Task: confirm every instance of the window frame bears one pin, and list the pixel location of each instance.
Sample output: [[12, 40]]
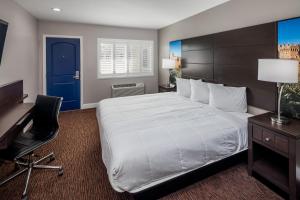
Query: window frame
[[127, 42]]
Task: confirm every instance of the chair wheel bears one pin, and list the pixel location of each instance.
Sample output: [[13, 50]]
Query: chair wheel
[[24, 197], [61, 172]]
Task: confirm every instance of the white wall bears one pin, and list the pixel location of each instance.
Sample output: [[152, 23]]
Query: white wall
[[95, 89], [231, 15], [20, 55]]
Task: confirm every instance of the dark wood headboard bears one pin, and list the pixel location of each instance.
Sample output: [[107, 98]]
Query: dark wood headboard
[[231, 58]]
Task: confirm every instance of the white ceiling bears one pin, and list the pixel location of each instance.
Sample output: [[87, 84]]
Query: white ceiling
[[153, 14]]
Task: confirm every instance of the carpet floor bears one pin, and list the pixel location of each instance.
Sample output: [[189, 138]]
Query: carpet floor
[[78, 149]]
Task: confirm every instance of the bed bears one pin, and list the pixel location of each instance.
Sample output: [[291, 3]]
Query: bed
[[150, 139]]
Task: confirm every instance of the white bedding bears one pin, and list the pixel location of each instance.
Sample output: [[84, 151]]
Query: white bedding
[[149, 139]]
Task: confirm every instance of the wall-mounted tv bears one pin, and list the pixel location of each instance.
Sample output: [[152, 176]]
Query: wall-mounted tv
[[3, 30]]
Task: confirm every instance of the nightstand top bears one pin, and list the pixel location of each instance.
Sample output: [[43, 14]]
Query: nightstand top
[[291, 130], [166, 86]]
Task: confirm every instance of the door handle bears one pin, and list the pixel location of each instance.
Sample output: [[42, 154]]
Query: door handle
[[77, 76]]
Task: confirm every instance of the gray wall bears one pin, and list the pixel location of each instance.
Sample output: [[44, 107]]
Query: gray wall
[[231, 15], [20, 60], [95, 89]]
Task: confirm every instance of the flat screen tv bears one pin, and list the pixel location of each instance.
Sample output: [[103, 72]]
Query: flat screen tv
[[3, 30]]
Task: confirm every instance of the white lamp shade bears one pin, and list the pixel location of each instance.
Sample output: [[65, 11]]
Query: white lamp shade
[[168, 64], [278, 70]]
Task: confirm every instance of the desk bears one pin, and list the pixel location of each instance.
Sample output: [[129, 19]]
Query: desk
[[10, 122], [12, 111]]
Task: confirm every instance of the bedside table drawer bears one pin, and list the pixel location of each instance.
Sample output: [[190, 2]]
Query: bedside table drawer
[[282, 144], [268, 137], [257, 132], [276, 141]]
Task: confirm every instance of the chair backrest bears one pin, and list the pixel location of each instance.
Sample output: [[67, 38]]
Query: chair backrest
[[45, 116]]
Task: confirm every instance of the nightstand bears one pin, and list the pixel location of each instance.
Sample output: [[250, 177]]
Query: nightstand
[[166, 88], [274, 153]]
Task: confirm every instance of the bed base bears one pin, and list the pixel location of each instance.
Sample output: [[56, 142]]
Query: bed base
[[190, 178]]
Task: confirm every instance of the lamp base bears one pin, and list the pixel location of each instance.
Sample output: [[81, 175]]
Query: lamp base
[[281, 120]]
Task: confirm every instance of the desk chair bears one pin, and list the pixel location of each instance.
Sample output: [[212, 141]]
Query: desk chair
[[43, 130]]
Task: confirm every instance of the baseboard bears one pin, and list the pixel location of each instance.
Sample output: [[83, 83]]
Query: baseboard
[[89, 105]]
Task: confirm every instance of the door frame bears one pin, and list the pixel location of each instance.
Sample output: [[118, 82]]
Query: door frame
[[45, 36]]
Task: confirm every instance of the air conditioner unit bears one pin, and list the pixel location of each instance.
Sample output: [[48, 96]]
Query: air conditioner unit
[[131, 89]]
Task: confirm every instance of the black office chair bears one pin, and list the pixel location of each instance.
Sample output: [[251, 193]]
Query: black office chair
[[44, 129]]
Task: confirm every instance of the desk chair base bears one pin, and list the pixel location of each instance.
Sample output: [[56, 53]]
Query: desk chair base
[[29, 165]]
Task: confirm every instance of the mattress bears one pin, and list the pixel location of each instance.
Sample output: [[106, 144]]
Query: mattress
[[152, 138]]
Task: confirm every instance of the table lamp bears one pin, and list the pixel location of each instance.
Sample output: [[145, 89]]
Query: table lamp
[[280, 71], [169, 64]]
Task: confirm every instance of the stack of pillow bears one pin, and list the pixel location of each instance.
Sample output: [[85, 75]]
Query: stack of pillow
[[229, 99]]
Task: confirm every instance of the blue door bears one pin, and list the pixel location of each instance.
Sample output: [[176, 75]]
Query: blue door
[[63, 71]]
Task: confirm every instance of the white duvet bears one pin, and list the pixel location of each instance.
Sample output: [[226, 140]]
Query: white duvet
[[149, 139]]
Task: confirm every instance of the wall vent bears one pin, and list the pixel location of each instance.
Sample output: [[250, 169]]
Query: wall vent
[[130, 89]]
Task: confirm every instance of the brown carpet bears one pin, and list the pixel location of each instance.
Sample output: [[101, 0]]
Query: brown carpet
[[77, 148]]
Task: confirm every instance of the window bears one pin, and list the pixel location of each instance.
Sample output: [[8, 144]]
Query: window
[[124, 58]]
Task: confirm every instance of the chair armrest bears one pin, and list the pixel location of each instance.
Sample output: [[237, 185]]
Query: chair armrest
[[25, 120]]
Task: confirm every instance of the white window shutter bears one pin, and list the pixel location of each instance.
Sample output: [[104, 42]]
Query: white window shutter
[[133, 58], [106, 58], [124, 58], [120, 58], [147, 54]]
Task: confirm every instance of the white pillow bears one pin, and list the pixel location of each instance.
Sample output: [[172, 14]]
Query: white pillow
[[200, 91], [183, 87], [230, 99]]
